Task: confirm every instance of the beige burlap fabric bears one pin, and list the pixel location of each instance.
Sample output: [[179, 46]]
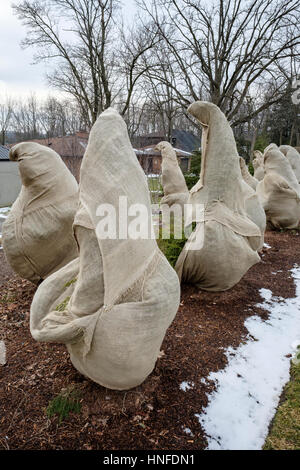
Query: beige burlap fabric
[[255, 211], [117, 300], [37, 235], [293, 157], [228, 240], [279, 191], [248, 178], [258, 165], [173, 182]]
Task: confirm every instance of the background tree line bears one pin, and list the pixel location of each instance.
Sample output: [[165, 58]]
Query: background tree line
[[241, 55]]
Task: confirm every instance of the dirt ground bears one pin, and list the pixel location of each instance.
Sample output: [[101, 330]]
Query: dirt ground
[[154, 415]]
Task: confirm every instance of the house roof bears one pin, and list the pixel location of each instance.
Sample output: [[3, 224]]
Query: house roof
[[66, 146], [4, 153], [182, 140], [149, 150]]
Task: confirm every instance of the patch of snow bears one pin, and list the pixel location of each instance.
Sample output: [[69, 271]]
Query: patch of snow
[[186, 386], [188, 431], [4, 211], [267, 246], [296, 352], [248, 389], [2, 353]]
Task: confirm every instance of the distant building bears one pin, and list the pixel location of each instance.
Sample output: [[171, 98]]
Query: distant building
[[71, 148], [150, 159], [10, 181], [184, 144], [182, 140]]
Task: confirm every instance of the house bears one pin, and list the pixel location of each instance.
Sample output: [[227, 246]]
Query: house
[[10, 181], [150, 159], [71, 148], [184, 144]]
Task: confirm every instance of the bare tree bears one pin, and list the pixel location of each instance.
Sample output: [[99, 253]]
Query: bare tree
[[26, 118], [224, 51], [60, 117], [84, 39], [6, 106]]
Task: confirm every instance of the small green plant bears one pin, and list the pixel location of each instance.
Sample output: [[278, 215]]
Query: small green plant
[[7, 299], [62, 306], [251, 168], [191, 179], [65, 403], [262, 142], [68, 284], [172, 247], [196, 162]]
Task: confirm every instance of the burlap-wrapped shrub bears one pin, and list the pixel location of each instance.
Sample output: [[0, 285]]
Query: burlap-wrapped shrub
[[113, 305], [37, 235], [249, 179], [279, 191], [293, 157], [258, 165], [227, 239], [255, 211], [173, 182]]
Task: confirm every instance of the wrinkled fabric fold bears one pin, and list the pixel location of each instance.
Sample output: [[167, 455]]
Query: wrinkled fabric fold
[[173, 182], [37, 235], [229, 238], [112, 310], [279, 191]]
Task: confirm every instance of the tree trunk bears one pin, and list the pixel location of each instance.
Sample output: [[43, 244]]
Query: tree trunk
[[253, 141]]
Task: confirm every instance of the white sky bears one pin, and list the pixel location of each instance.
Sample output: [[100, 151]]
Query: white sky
[[18, 76]]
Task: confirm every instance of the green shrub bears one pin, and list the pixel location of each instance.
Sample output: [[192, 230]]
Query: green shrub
[[172, 247], [191, 179], [196, 162], [261, 143], [251, 168], [65, 403]]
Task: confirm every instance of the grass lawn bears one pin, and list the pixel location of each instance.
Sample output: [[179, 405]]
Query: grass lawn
[[285, 429]]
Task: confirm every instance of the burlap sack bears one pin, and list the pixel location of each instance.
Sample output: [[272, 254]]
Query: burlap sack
[[293, 157], [228, 240], [113, 306], [279, 191], [255, 211], [173, 182], [258, 165], [248, 178], [37, 235]]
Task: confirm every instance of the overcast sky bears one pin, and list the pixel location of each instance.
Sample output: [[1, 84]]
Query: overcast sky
[[18, 76]]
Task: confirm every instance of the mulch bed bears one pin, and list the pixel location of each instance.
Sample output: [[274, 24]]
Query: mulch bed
[[153, 415]]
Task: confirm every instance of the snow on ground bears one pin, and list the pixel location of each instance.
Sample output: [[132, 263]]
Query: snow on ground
[[4, 211], [187, 431], [267, 246], [2, 353], [184, 386], [248, 389]]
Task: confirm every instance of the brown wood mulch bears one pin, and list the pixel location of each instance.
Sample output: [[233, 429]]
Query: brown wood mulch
[[154, 415]]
